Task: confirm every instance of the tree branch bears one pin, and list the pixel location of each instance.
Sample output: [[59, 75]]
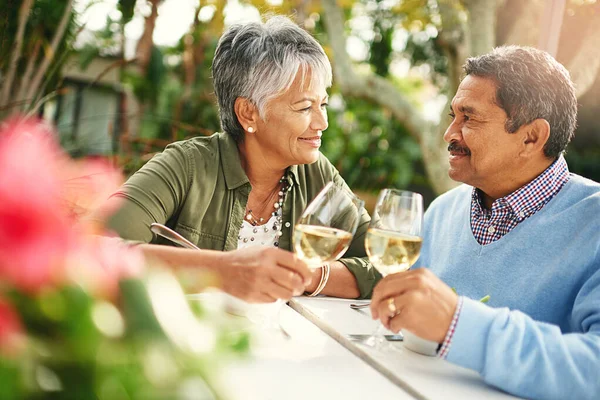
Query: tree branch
[[371, 87], [26, 78], [584, 67], [190, 56], [526, 29], [452, 39], [384, 93], [482, 25], [16, 53], [144, 46], [118, 63], [49, 56]]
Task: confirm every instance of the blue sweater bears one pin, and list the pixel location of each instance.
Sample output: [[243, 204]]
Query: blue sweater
[[539, 335]]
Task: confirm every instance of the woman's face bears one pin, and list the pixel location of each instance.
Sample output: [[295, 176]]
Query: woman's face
[[293, 125]]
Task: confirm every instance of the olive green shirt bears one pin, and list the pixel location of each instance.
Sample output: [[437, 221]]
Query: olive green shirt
[[198, 188]]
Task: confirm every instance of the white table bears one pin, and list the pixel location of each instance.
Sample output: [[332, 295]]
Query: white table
[[308, 366], [420, 376], [319, 362]]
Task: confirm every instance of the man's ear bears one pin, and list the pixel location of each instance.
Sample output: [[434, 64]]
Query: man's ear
[[247, 114], [536, 135]]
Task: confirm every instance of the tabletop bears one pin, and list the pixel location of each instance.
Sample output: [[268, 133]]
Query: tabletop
[[420, 376], [307, 365], [315, 359]]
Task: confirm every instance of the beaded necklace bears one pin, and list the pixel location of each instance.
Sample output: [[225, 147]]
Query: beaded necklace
[[276, 217]]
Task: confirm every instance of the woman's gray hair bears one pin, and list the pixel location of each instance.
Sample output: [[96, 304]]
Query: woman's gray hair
[[531, 84], [259, 61]]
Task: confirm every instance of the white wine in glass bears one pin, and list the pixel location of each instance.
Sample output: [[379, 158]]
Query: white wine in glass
[[324, 231], [319, 244], [394, 239], [391, 252]]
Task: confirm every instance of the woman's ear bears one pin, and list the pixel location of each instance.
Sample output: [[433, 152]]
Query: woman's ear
[[536, 136], [246, 113]]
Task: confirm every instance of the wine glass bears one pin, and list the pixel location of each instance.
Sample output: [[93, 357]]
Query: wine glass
[[324, 231], [394, 238]]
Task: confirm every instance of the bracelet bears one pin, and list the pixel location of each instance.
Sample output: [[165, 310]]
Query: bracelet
[[325, 270], [319, 288]]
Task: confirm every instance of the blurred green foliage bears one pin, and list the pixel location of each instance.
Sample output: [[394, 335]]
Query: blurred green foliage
[[68, 354], [369, 147], [127, 8]]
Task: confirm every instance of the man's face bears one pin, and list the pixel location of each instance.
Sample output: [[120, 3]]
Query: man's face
[[482, 153]]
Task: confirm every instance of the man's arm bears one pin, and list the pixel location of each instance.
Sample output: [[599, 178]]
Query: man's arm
[[509, 349], [530, 358]]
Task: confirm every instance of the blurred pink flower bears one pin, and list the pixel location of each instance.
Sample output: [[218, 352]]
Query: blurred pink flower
[[43, 197], [101, 262], [35, 233], [87, 185]]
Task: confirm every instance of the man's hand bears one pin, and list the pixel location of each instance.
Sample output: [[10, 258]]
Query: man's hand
[[263, 274], [423, 304]]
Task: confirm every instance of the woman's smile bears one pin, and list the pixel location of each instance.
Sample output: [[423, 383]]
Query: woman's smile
[[312, 141]]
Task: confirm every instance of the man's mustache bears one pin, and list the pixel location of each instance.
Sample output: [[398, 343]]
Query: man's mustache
[[456, 148]]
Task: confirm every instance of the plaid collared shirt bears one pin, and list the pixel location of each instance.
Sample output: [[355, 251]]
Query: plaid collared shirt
[[507, 212]]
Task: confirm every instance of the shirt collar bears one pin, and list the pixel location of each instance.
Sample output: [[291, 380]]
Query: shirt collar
[[235, 176], [531, 197]]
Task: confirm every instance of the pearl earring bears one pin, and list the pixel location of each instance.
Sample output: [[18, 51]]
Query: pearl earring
[[250, 129]]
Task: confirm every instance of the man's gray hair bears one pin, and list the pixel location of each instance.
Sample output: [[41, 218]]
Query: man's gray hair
[[259, 61], [531, 84]]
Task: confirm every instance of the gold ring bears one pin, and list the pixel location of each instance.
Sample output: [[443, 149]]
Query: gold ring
[[392, 306]]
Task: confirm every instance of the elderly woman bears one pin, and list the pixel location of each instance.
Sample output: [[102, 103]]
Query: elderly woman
[[237, 194]]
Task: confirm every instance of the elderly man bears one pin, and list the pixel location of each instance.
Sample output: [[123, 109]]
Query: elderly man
[[522, 229]]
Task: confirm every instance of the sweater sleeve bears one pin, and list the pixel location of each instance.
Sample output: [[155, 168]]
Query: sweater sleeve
[[529, 358]]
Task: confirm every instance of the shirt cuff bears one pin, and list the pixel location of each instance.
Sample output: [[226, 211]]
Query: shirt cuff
[[445, 347]]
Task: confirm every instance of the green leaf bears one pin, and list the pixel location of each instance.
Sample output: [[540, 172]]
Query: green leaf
[[137, 309], [9, 379], [127, 8]]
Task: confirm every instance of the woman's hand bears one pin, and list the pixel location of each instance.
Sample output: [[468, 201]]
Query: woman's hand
[[423, 304], [263, 274]]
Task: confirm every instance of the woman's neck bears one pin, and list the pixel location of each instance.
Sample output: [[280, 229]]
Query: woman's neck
[[263, 175]]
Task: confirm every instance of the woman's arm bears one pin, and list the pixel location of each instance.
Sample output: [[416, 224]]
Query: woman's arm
[[152, 194], [341, 283], [156, 192], [254, 274]]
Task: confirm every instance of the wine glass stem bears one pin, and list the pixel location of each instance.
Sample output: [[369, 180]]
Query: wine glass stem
[[377, 338], [280, 304]]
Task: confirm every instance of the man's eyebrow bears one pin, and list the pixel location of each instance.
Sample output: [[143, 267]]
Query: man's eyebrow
[[465, 110], [468, 110]]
